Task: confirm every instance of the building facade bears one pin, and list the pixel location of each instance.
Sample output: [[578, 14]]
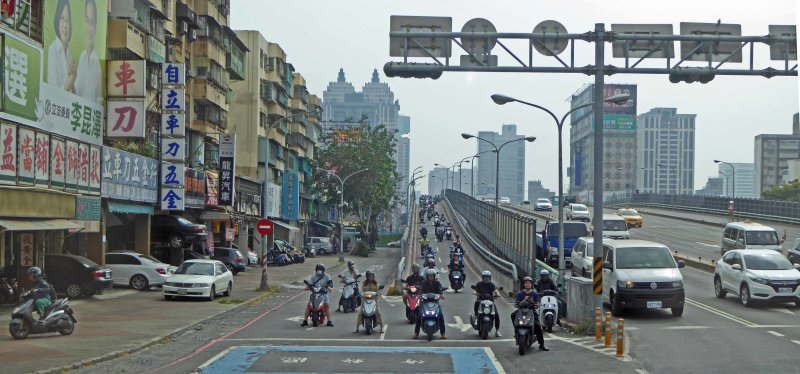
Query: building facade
[[665, 143], [772, 155], [713, 187], [537, 191], [512, 164], [743, 182], [438, 180]]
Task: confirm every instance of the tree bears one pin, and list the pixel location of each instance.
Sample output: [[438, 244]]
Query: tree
[[350, 149], [787, 192]]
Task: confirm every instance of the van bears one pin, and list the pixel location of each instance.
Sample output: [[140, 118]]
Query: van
[[749, 235], [640, 274], [320, 245], [615, 227], [505, 200]]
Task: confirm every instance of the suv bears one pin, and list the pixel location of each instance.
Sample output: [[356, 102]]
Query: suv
[[76, 276], [749, 235], [578, 212], [543, 204], [756, 275], [640, 274], [319, 244], [794, 252], [137, 270], [176, 231], [232, 259]]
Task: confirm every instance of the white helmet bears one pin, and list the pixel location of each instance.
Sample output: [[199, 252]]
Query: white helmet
[[486, 276]]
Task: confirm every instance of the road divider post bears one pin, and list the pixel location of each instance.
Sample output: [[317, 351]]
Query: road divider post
[[608, 329], [598, 327], [620, 337]]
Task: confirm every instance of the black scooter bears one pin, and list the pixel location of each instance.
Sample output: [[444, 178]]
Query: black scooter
[[524, 322], [57, 317]]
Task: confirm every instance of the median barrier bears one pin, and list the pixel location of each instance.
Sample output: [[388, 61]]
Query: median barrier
[[696, 262], [580, 306]]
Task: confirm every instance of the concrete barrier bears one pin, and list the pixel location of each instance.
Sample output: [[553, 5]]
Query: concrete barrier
[[697, 263], [580, 307]]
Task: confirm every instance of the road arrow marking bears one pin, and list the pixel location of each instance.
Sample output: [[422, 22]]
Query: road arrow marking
[[783, 310], [353, 361], [412, 362], [295, 319], [460, 325]]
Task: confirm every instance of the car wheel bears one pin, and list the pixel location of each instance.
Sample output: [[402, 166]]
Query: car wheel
[[719, 292], [228, 290], [616, 309], [176, 241], [74, 291], [167, 297], [212, 293], [322, 251], [677, 312], [139, 282], [744, 296]]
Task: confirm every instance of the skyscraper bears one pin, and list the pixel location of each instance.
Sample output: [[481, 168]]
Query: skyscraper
[[665, 152], [512, 164], [743, 183], [772, 155], [436, 180]]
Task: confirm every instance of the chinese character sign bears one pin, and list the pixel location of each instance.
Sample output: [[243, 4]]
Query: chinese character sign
[[172, 175], [26, 156], [126, 119], [22, 73], [211, 189], [173, 74], [128, 176], [227, 166], [8, 153], [83, 167], [173, 99], [26, 249], [58, 163], [73, 165], [94, 170], [126, 78], [291, 196], [172, 198], [173, 124], [173, 149], [42, 159]]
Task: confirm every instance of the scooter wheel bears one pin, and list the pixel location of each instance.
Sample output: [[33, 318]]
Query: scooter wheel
[[19, 329], [67, 330], [369, 329], [430, 337]]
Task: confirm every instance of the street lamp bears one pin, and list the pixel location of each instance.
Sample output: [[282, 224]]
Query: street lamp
[[460, 174], [472, 173], [497, 150], [341, 203], [733, 171], [598, 208]]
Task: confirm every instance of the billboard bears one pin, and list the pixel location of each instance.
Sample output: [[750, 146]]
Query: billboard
[[585, 97], [227, 165], [128, 176], [291, 196], [618, 122]]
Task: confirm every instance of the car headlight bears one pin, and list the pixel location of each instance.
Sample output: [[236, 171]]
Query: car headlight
[[677, 284], [554, 251], [200, 285], [624, 284], [758, 280]]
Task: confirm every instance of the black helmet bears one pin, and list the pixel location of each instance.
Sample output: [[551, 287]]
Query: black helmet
[[415, 268], [35, 271], [369, 272], [527, 279], [319, 267]]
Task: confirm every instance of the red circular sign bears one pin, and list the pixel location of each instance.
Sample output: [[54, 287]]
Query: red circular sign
[[264, 227]]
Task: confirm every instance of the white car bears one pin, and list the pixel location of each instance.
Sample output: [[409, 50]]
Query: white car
[[578, 212], [199, 278], [757, 274], [136, 270], [252, 257], [505, 200], [543, 204]]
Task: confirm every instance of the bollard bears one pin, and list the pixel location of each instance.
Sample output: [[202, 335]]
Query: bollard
[[620, 337], [598, 324], [608, 329]]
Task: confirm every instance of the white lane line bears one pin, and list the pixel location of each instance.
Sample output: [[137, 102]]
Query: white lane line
[[686, 327], [215, 358], [721, 313], [783, 310], [493, 359], [796, 342], [775, 333], [385, 329], [699, 271], [641, 371]]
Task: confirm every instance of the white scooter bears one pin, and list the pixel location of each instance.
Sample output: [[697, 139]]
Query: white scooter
[[548, 309], [369, 305]]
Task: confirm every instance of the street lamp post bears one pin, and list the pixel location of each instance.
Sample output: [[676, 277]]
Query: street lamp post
[[341, 204], [733, 186], [497, 162], [460, 173], [472, 173], [598, 223]]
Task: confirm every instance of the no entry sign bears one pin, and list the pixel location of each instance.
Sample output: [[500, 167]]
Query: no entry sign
[[264, 227]]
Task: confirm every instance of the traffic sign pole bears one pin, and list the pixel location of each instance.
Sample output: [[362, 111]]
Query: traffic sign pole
[[264, 227]]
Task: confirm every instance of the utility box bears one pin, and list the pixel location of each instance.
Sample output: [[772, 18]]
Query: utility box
[[580, 305]]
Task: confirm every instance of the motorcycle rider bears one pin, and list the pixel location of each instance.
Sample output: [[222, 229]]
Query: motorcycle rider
[[346, 275], [547, 283], [431, 285], [43, 292], [414, 279], [424, 243], [431, 265], [456, 265], [486, 287], [320, 279], [423, 232], [528, 293], [370, 285]]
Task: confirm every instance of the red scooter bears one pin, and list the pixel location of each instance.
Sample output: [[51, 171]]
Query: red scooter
[[316, 304], [412, 303]]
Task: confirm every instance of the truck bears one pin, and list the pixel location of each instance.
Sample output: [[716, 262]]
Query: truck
[[547, 241]]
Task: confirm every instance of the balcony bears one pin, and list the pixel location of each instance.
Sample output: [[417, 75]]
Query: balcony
[[297, 128], [205, 92], [186, 15], [124, 35]]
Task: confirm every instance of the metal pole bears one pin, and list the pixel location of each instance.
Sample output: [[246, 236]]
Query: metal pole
[[460, 174], [561, 262], [497, 179], [341, 224], [599, 80]]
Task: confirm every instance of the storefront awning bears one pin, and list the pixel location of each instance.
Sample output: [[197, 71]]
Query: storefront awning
[[213, 215], [286, 226], [36, 224], [323, 225], [128, 208]]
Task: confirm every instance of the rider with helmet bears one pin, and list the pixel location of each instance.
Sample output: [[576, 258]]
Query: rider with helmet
[[431, 265], [431, 285], [546, 283], [350, 274], [528, 293], [415, 279], [483, 288], [43, 292], [369, 285], [320, 279]]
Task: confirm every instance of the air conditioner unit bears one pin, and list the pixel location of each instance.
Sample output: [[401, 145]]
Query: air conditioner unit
[[192, 35], [183, 27]]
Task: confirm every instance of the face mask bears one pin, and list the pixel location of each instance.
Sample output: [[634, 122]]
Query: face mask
[[319, 272]]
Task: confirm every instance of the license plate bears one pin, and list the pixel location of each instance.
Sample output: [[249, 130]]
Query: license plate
[[181, 291], [784, 290], [653, 304]]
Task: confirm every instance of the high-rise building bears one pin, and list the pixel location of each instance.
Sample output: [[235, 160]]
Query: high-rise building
[[742, 183], [403, 150], [665, 152], [772, 154], [619, 144], [512, 164], [796, 124], [438, 180], [537, 191], [713, 187], [464, 177]]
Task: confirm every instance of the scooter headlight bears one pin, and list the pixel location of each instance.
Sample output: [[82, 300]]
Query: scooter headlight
[[487, 310]]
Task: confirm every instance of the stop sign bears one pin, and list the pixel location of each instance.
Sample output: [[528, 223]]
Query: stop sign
[[264, 227]]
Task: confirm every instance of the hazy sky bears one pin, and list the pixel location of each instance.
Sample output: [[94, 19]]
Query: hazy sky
[[321, 36]]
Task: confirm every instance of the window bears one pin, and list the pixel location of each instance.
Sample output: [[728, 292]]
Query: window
[[728, 258]]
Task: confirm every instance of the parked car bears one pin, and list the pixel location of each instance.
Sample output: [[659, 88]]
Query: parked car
[[139, 271], [199, 278], [794, 252], [543, 205], [76, 276], [631, 216], [749, 235], [175, 231], [755, 275], [578, 212], [232, 259], [321, 245], [583, 257], [252, 257]]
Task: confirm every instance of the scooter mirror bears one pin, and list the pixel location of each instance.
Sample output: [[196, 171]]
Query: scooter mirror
[[380, 288], [472, 286], [501, 288]]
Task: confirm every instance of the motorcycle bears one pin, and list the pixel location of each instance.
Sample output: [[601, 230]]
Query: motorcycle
[[448, 234], [484, 321], [7, 290], [430, 313], [412, 303], [348, 299], [428, 255], [456, 280], [57, 317], [523, 326], [369, 305], [548, 309], [316, 304]]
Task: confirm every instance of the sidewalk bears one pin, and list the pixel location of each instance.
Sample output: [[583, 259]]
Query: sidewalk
[[124, 319]]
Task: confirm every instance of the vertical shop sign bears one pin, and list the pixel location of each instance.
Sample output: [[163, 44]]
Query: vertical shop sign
[[227, 165], [173, 132], [27, 249]]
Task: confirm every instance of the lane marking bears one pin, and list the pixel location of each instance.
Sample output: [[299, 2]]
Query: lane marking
[[590, 344], [641, 371], [775, 333], [721, 313], [358, 340], [698, 270], [385, 330], [493, 359], [796, 342], [783, 310]]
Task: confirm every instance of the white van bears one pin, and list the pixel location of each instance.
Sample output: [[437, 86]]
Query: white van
[[615, 227], [640, 274], [749, 235]]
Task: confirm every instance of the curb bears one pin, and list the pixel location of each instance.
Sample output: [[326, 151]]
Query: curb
[[697, 263]]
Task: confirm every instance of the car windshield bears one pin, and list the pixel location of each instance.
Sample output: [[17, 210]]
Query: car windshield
[[629, 213], [86, 262], [762, 238], [195, 268], [767, 261], [571, 229], [543, 201], [615, 225], [580, 208], [644, 258]]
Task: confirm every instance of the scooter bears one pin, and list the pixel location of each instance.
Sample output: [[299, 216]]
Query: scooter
[[456, 280], [7, 290], [348, 299], [316, 304], [448, 234], [412, 303], [369, 304], [548, 309], [57, 317], [523, 326], [484, 321], [430, 313]]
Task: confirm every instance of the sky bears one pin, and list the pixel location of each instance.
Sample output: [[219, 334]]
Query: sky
[[322, 36]]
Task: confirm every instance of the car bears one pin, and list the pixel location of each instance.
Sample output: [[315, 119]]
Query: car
[[794, 252], [505, 200], [232, 259], [176, 231], [199, 279], [582, 257], [252, 257], [640, 274], [631, 216], [319, 244], [757, 275], [749, 235], [525, 202], [76, 276], [490, 201], [578, 212], [543, 205], [137, 270], [615, 227]]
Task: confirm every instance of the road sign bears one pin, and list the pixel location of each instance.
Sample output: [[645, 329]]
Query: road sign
[[264, 227]]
